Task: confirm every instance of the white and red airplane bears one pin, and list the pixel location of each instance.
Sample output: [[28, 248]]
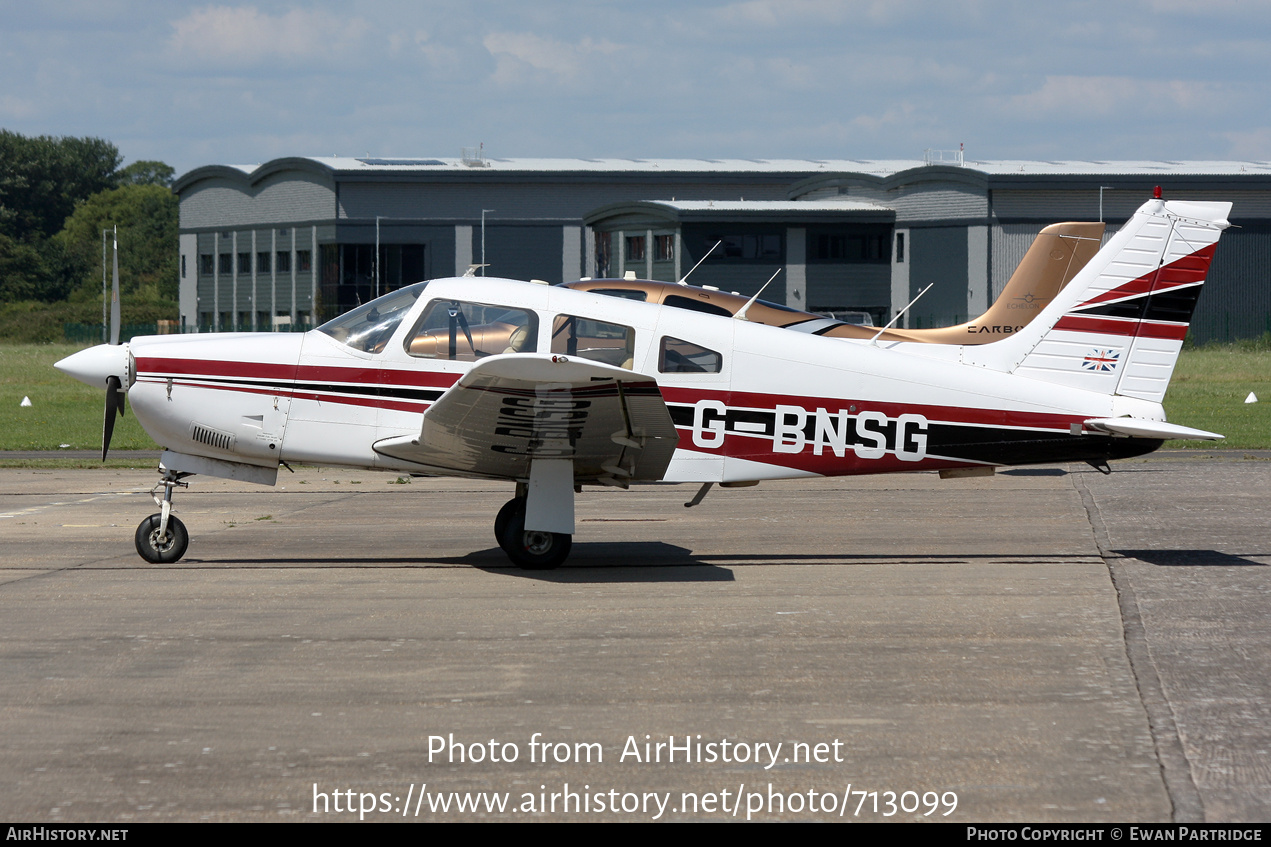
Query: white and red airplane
[[552, 389]]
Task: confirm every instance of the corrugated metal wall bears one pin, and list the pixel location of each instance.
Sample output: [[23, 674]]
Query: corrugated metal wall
[[536, 200], [283, 198], [1236, 301]]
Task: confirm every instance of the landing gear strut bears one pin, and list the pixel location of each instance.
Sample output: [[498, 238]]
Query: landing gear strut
[[162, 538], [532, 550]]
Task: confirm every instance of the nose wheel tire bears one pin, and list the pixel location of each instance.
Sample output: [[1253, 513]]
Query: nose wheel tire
[[165, 549], [531, 550]]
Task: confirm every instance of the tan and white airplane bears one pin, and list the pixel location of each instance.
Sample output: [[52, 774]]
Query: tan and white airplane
[[1053, 259], [553, 389]]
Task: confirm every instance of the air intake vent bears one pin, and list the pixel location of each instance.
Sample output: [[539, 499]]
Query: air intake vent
[[212, 437]]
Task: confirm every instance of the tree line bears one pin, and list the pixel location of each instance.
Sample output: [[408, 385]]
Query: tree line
[[57, 194]]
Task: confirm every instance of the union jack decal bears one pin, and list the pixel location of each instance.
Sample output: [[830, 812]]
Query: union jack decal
[[1102, 360]]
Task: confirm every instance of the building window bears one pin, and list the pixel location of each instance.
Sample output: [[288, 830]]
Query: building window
[[244, 263], [227, 263], [304, 261], [207, 264], [664, 248], [182, 266], [758, 246], [262, 262], [860, 245], [900, 247], [283, 260], [635, 248]]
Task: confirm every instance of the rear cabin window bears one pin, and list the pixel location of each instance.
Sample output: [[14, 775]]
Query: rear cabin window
[[695, 305], [678, 356], [465, 332], [586, 338], [624, 293]]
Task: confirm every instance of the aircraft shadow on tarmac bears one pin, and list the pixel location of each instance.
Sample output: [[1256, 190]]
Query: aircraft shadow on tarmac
[[1192, 558], [645, 561], [648, 561]]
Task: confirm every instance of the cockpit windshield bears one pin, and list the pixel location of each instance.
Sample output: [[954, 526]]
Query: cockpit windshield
[[368, 327]]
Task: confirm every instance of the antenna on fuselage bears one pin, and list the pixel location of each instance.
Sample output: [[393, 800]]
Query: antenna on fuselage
[[472, 270], [741, 313], [684, 279], [898, 314]]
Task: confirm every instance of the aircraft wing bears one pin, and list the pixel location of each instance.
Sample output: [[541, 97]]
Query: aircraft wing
[[610, 422]]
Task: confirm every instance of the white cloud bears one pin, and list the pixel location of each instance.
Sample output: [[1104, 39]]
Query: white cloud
[[517, 51], [787, 13], [244, 34], [1103, 96], [1252, 145]]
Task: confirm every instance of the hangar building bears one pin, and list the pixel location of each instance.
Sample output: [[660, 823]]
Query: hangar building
[[299, 240]]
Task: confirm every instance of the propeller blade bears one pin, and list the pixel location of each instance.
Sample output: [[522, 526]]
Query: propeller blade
[[114, 402], [114, 295]]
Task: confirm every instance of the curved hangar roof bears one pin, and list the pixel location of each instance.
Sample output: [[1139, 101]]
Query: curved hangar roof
[[337, 167]]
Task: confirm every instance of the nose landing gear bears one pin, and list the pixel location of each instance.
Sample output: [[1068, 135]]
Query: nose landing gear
[[162, 538]]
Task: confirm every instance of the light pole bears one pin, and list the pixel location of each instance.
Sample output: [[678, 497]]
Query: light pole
[[483, 211], [1102, 188], [376, 263]]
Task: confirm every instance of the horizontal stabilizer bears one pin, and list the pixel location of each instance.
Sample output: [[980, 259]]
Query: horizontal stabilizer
[[1142, 428]]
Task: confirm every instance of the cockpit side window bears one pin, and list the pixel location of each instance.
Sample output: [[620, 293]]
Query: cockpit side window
[[465, 332], [677, 356], [587, 338], [369, 327]]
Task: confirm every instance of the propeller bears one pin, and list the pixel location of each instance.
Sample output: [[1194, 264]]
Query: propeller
[[114, 385], [106, 363]]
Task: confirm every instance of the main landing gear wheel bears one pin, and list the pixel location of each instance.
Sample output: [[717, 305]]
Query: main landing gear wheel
[[504, 516], [532, 550], [162, 549]]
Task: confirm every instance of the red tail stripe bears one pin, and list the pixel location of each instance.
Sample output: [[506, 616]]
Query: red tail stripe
[[288, 373], [1126, 328], [1188, 270]]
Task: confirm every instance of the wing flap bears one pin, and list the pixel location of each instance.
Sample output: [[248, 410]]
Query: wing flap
[[610, 422]]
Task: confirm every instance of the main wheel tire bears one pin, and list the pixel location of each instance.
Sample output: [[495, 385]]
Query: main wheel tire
[[510, 508], [162, 550], [532, 550]]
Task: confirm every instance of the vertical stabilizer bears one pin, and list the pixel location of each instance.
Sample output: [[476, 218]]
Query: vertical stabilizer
[[1118, 327]]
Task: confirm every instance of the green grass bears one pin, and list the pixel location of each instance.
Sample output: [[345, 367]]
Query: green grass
[[1207, 392], [62, 411]]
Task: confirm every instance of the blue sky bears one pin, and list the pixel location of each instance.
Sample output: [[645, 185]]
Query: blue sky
[[195, 84]]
